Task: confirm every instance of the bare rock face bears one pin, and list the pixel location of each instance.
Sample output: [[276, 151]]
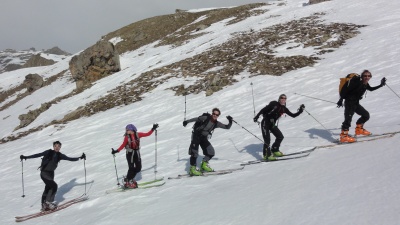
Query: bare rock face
[[316, 1], [33, 82], [37, 60], [96, 62]]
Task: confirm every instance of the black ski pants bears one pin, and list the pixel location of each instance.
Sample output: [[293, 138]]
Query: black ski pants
[[202, 141], [51, 187], [268, 126], [351, 107], [134, 163]]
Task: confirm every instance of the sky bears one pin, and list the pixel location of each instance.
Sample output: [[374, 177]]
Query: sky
[[75, 25], [343, 184]]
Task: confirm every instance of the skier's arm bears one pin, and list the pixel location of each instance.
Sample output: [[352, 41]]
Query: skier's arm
[[263, 111], [64, 157], [35, 155], [383, 83], [123, 144], [142, 134], [224, 126], [292, 114]]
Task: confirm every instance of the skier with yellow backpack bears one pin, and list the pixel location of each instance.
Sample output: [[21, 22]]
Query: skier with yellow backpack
[[352, 88]]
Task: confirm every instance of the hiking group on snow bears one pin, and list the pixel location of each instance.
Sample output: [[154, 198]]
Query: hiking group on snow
[[352, 89]]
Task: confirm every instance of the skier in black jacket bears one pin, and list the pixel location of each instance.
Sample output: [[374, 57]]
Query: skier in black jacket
[[48, 166], [353, 92], [202, 131], [271, 113]]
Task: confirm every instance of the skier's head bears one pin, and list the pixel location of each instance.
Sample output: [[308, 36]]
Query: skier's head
[[215, 113], [130, 127], [282, 99], [366, 76], [57, 146]]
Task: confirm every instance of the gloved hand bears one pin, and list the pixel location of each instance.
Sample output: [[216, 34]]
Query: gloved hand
[[185, 123], [301, 108], [83, 156], [22, 157], [229, 118], [255, 119], [340, 103], [113, 151], [155, 126], [383, 82]]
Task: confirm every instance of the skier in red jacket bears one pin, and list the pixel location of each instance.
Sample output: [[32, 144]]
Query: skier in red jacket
[[132, 145]]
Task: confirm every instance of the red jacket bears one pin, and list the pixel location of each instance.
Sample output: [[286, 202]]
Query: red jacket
[[140, 134]]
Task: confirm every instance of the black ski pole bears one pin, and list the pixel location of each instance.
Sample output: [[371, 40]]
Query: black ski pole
[[184, 117], [23, 186], [317, 121], [248, 131], [316, 98], [84, 166], [252, 93], [116, 173], [392, 91], [155, 162]]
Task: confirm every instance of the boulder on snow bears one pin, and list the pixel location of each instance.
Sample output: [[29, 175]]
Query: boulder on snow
[[96, 62], [33, 82]]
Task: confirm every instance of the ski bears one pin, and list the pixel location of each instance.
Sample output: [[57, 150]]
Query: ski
[[59, 207], [145, 185], [296, 156], [359, 140], [219, 172], [300, 152]]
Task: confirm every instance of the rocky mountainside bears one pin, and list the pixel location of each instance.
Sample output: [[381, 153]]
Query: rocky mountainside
[[235, 40], [11, 59]]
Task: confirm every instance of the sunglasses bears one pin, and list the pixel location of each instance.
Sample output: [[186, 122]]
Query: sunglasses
[[215, 114], [283, 98], [367, 75]]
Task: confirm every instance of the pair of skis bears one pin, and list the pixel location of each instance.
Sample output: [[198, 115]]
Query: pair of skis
[[294, 155], [59, 207], [205, 174]]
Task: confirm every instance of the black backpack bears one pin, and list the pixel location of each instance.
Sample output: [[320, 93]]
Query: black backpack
[[199, 125]]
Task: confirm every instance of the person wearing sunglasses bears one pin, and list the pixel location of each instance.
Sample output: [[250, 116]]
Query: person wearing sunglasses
[[352, 94], [271, 113], [202, 132]]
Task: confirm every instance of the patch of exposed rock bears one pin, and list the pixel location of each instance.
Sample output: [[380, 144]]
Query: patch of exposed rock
[[96, 62]]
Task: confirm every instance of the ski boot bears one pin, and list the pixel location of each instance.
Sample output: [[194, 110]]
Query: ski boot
[[51, 205], [277, 154], [205, 167], [131, 184], [269, 158], [194, 172], [361, 131], [345, 138], [45, 207]]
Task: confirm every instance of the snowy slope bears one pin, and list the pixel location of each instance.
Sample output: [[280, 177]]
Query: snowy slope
[[350, 184]]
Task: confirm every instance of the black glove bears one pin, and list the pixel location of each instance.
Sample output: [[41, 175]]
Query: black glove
[[155, 126], [113, 151], [301, 108], [340, 103], [229, 118], [255, 119], [383, 82], [22, 157], [185, 123], [83, 156]]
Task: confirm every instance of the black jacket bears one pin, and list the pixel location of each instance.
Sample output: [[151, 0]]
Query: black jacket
[[356, 89], [274, 110], [50, 159]]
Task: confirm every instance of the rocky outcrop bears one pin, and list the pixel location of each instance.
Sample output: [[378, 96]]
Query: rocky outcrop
[[316, 1], [37, 60], [56, 51], [33, 82], [96, 62], [26, 119]]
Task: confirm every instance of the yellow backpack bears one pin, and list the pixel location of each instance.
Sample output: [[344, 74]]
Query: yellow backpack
[[345, 82]]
